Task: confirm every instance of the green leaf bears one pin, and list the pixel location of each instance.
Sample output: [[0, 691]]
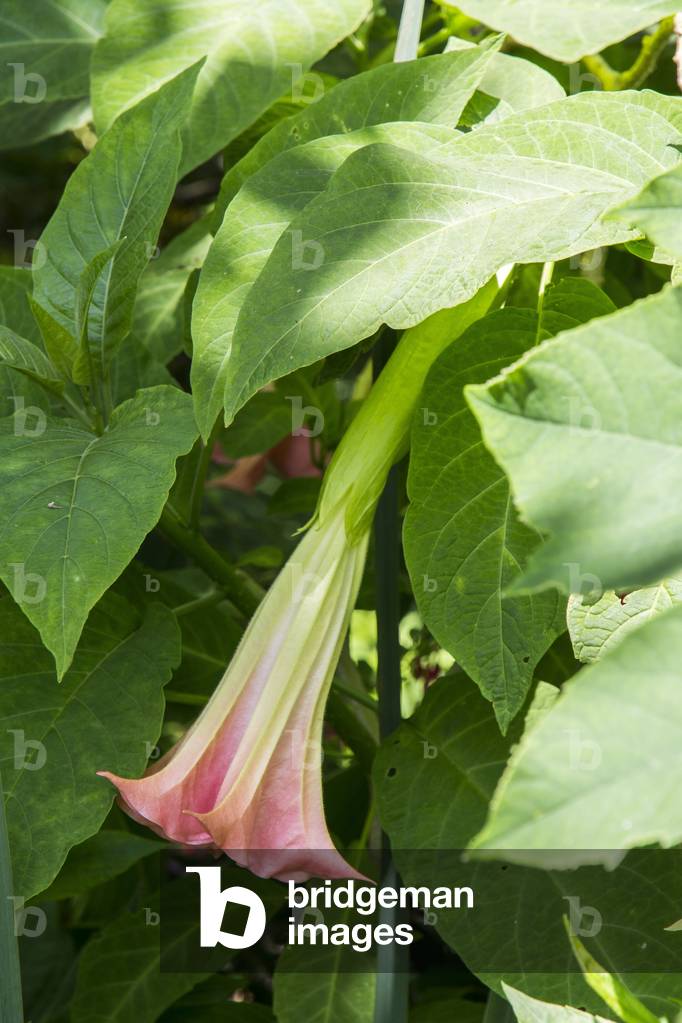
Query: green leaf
[[610, 989], [118, 194], [657, 212], [582, 779], [25, 357], [450, 750], [321, 984], [76, 506], [15, 310], [119, 977], [532, 1010], [245, 71], [261, 424], [254, 222], [568, 31], [573, 424], [59, 344], [463, 540], [45, 57], [10, 994], [433, 90], [100, 858], [53, 738], [597, 626], [160, 315], [88, 364], [515, 84], [434, 778], [397, 236]]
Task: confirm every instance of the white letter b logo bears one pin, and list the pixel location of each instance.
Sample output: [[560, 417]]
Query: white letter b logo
[[213, 902]]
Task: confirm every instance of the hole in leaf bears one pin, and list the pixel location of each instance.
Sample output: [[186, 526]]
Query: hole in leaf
[[392, 771]]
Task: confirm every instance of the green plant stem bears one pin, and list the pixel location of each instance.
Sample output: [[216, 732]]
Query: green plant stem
[[649, 55], [11, 1006], [206, 600], [350, 730], [361, 698], [239, 588]]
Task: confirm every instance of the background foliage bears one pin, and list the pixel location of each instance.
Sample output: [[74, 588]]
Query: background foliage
[[217, 219]]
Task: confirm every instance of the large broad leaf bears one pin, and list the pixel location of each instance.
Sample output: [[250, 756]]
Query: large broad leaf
[[574, 424], [119, 976], [436, 775], [657, 212], [253, 224], [106, 715], [321, 984], [45, 52], [434, 778], [582, 779], [596, 626], [118, 194], [434, 90], [463, 541], [75, 507], [568, 31], [397, 236], [255, 55]]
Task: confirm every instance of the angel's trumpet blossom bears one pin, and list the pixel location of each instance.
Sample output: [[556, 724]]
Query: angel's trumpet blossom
[[246, 777]]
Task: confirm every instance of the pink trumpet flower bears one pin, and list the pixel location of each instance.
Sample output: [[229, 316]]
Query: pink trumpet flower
[[246, 776]]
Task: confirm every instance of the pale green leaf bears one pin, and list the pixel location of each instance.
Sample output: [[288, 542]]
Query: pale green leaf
[[657, 212], [45, 52], [253, 224], [532, 1010], [118, 194], [23, 356], [568, 31], [76, 506], [581, 779], [515, 84], [397, 235], [433, 90], [610, 988], [54, 738], [588, 428], [255, 55], [161, 313], [597, 626]]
